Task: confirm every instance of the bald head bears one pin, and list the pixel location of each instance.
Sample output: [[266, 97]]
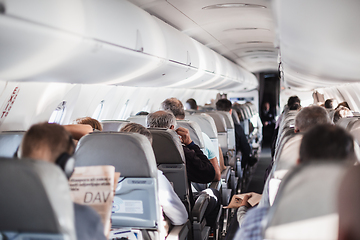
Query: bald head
[[309, 117], [348, 205], [175, 106], [161, 119]]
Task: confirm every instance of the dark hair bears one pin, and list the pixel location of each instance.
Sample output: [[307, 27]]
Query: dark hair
[[49, 136], [95, 124], [137, 128], [295, 106], [223, 105], [329, 103], [326, 142], [344, 104], [292, 100], [175, 106], [142, 113], [192, 103]]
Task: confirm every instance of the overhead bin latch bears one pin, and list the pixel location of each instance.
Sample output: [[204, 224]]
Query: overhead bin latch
[[139, 44]]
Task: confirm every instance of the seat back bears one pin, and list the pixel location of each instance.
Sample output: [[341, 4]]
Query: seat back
[[113, 125], [170, 159], [195, 131], [230, 129], [9, 142], [207, 126], [344, 122], [135, 202], [221, 129], [305, 206], [140, 119], [35, 201]]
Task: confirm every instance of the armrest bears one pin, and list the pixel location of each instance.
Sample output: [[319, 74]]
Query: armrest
[[179, 232], [216, 185], [200, 206], [226, 174]]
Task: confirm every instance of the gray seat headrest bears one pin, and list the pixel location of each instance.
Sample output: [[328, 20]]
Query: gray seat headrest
[[305, 206], [23, 199], [9, 142], [167, 146], [35, 198], [113, 125], [219, 121], [141, 119], [130, 153], [195, 131], [228, 119], [206, 123]]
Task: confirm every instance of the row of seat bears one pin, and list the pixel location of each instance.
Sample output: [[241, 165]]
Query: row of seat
[[303, 206]]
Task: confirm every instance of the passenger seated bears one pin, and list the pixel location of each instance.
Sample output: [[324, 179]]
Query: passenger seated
[[321, 143], [348, 205], [198, 167], [330, 104], [242, 144], [50, 142], [171, 204], [344, 104], [341, 112], [95, 124], [309, 117], [175, 106]]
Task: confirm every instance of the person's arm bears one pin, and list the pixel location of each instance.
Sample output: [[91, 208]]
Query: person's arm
[[210, 152], [171, 204], [199, 168], [78, 130], [244, 207]]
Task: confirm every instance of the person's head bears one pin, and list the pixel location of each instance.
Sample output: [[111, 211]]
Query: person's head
[[223, 105], [175, 106], [327, 142], [142, 113], [341, 112], [95, 124], [309, 117], [344, 104], [292, 100], [46, 141], [137, 128], [295, 106], [348, 205], [191, 104], [329, 103], [161, 119], [266, 106]]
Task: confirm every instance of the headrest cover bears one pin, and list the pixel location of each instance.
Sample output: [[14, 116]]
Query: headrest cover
[[130, 153], [167, 146], [195, 131], [219, 121], [113, 125], [9, 142], [228, 119], [206, 123], [141, 119]]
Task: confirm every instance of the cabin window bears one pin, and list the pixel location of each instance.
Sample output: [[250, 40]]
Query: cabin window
[[98, 110], [58, 113]]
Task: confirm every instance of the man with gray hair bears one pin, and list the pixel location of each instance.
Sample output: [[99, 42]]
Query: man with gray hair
[[198, 167], [175, 106], [310, 116]]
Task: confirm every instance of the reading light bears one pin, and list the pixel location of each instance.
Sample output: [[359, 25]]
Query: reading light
[[233, 5]]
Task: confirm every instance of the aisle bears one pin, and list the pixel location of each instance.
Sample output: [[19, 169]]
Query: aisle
[[256, 183]]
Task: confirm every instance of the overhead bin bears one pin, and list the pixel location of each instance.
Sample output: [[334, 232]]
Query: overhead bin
[[107, 42]]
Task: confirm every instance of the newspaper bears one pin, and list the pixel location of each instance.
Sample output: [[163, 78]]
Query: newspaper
[[237, 199], [95, 186]]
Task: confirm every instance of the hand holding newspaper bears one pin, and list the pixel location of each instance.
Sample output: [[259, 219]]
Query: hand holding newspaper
[[237, 199], [95, 186]]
